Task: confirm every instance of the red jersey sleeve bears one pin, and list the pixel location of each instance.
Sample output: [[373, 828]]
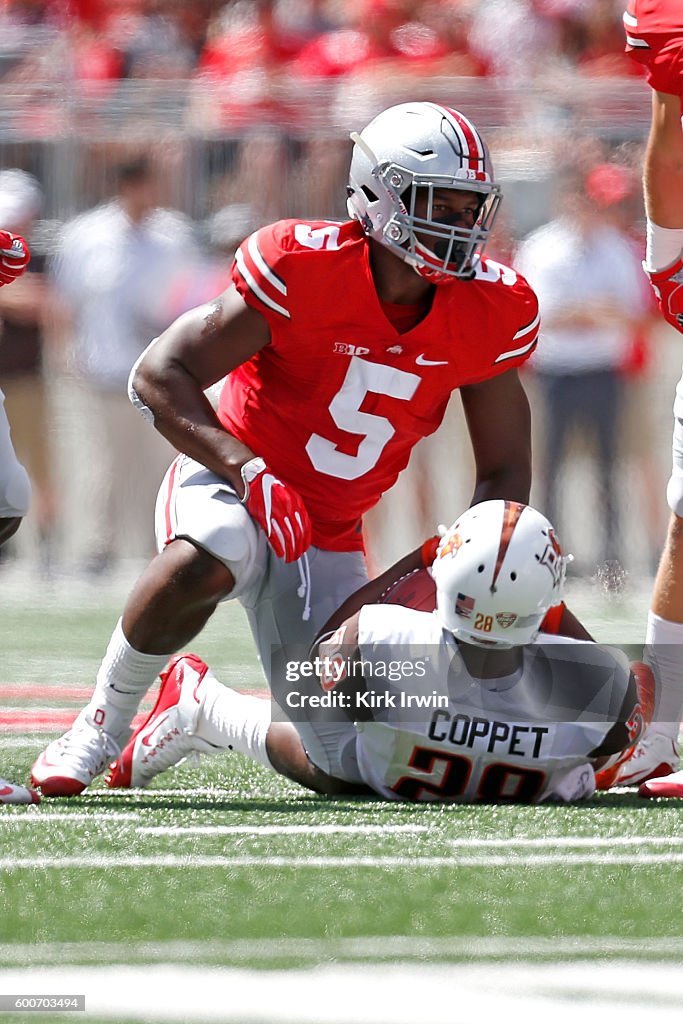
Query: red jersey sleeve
[[668, 287], [509, 319], [259, 272]]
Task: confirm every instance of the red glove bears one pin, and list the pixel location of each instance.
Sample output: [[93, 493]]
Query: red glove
[[428, 551], [14, 257], [278, 510]]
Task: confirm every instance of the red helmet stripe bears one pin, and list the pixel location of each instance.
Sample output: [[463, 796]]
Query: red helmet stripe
[[511, 515], [472, 143]]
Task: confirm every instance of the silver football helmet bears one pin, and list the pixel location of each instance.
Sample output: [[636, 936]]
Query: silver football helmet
[[399, 161], [498, 570]]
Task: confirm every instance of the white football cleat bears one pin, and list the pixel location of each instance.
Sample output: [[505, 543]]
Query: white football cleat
[[12, 794], [69, 764], [656, 755], [167, 736], [666, 785]]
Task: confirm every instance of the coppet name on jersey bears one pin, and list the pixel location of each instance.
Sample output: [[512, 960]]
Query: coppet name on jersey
[[519, 737]]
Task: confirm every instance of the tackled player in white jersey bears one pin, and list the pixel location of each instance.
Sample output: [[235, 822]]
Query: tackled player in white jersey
[[479, 700]]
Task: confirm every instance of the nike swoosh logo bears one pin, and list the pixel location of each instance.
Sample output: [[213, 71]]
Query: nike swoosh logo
[[421, 361], [6, 791], [269, 482], [43, 761], [145, 739]]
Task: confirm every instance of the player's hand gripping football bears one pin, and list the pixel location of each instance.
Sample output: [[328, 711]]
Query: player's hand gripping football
[[14, 257], [278, 510]]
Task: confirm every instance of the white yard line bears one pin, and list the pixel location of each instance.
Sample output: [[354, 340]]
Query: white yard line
[[23, 739], [97, 816], [110, 862], [277, 830], [365, 947], [565, 842], [626, 993]]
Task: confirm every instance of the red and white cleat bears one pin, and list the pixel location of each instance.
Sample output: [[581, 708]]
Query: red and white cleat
[[167, 736], [656, 755], [667, 785], [70, 763], [12, 794]]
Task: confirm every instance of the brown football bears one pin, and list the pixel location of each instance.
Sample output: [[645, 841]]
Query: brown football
[[416, 590]]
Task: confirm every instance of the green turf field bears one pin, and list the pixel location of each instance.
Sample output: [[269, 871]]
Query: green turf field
[[226, 893]]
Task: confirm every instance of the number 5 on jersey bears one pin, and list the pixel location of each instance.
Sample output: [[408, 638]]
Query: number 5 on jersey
[[362, 377]]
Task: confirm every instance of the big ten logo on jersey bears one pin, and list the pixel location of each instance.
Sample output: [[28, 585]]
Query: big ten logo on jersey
[[345, 349], [326, 237]]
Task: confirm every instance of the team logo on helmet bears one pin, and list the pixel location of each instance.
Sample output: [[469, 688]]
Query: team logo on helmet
[[506, 619], [552, 558], [452, 546]]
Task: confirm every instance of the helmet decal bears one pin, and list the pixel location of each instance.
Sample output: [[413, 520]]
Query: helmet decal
[[451, 546], [506, 619], [511, 516], [552, 556], [464, 606], [471, 141]]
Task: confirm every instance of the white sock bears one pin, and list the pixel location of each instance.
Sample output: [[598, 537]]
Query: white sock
[[664, 654], [124, 677], [234, 721]]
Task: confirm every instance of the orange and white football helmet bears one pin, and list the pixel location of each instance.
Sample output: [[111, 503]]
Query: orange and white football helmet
[[498, 570]]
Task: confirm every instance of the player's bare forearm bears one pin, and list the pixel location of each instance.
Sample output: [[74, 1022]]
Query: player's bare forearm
[[499, 421], [511, 483], [663, 167], [169, 381], [185, 417], [371, 592]]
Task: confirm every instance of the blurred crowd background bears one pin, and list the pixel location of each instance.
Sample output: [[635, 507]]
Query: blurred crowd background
[[142, 140]]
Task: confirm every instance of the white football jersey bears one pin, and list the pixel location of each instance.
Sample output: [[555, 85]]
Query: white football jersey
[[439, 734]]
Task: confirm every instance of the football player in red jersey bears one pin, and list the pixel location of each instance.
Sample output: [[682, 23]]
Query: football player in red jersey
[[654, 31], [342, 343], [15, 489]]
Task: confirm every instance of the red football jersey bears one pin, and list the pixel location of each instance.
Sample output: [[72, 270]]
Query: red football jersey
[[654, 37], [668, 287], [337, 400]]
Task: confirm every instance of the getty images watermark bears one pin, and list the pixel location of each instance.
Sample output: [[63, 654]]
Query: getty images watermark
[[330, 671]]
